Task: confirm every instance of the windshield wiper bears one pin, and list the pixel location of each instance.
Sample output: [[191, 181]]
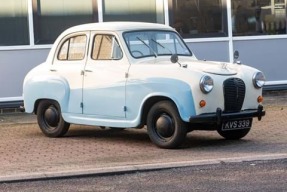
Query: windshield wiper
[[155, 55], [162, 46]]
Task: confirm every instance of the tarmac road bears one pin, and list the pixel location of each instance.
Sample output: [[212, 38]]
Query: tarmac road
[[27, 154], [244, 176]]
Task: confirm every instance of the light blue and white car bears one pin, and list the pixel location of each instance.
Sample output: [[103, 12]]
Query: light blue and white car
[[128, 75]]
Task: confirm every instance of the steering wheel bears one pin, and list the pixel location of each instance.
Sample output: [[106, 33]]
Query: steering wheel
[[137, 53]]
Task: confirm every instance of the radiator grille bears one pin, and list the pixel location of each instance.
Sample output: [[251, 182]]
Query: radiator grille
[[234, 94]]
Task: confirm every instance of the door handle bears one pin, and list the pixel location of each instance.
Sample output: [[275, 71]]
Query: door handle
[[53, 70], [84, 71]]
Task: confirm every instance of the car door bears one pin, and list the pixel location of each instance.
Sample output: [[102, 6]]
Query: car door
[[105, 77], [68, 64]]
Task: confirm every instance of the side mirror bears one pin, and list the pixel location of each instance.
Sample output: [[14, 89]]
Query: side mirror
[[235, 57], [174, 58]]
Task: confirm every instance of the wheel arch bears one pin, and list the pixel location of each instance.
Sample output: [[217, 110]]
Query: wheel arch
[[184, 105], [149, 103], [37, 102]]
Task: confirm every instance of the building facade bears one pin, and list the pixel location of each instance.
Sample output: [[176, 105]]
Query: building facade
[[213, 29]]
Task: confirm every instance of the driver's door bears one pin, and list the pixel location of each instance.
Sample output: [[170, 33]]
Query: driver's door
[[105, 78]]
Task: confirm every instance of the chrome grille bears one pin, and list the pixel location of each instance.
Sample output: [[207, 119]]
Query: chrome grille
[[234, 94]]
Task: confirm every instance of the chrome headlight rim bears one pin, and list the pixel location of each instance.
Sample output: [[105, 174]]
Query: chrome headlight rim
[[258, 80], [206, 84]]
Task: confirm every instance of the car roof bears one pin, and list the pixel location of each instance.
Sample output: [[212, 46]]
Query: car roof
[[117, 26]]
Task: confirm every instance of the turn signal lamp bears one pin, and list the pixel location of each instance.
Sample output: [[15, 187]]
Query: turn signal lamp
[[202, 103], [260, 99]]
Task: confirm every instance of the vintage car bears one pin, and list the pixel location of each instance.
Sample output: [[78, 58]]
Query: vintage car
[[135, 75]]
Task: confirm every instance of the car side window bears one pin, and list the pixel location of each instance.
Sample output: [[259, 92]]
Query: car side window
[[106, 47], [73, 48]]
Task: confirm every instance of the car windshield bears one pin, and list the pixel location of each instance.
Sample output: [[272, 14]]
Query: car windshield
[[155, 43]]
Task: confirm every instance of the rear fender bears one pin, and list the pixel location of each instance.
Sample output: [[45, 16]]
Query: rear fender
[[46, 87]]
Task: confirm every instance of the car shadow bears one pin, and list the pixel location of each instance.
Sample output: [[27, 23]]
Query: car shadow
[[200, 139], [108, 133]]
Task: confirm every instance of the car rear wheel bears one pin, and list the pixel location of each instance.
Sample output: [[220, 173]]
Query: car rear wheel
[[234, 134], [50, 119], [164, 125]]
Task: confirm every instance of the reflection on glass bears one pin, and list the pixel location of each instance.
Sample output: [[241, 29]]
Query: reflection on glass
[[133, 10], [155, 43], [73, 48], [106, 47], [14, 23], [54, 16], [258, 17], [199, 18]]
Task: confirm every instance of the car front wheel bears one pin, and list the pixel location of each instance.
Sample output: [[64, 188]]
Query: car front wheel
[[50, 119], [164, 125]]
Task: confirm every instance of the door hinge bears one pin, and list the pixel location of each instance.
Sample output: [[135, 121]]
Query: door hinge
[[125, 108], [126, 75], [82, 105], [82, 72]]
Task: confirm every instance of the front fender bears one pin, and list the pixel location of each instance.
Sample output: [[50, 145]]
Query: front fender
[[45, 87], [139, 92]]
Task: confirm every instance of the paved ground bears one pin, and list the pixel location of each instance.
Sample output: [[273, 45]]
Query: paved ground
[[27, 154]]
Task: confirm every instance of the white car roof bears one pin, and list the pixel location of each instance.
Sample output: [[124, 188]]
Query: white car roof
[[117, 26]]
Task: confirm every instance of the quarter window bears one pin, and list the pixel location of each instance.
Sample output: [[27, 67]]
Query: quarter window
[[73, 48], [106, 47]]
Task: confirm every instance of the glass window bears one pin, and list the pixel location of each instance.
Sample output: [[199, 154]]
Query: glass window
[[133, 10], [52, 17], [14, 28], [73, 48], [199, 18], [106, 47], [155, 43], [260, 17]]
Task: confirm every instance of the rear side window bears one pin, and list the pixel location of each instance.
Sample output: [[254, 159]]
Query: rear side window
[[73, 48]]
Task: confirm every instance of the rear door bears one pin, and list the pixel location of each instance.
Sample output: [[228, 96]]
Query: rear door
[[68, 64]]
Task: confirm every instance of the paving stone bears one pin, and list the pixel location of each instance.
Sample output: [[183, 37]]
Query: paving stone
[[25, 150]]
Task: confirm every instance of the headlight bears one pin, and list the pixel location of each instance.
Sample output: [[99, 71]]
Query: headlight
[[258, 80], [206, 84]]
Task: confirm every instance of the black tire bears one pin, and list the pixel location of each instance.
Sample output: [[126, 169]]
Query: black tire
[[50, 119], [164, 125], [234, 134]]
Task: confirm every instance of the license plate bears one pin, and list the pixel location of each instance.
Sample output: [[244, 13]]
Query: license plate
[[236, 124]]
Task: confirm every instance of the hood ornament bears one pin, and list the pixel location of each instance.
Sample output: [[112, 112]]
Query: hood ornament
[[224, 66]]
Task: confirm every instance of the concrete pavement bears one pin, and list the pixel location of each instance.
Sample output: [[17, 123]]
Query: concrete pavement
[[27, 154]]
